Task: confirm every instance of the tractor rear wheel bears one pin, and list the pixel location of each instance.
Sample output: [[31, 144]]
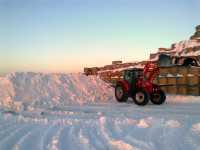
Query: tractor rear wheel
[[141, 97], [158, 97], [120, 94]]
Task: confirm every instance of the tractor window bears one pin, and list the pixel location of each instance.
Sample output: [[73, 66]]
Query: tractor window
[[128, 76]]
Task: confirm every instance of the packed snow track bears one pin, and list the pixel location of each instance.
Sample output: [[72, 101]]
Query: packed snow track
[[103, 127]]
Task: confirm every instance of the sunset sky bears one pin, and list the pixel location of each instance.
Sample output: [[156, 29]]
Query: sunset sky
[[67, 35]]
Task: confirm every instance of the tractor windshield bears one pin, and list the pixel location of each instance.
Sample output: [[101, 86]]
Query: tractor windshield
[[128, 76]]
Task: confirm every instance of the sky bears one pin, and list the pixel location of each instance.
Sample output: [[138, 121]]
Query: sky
[[68, 35]]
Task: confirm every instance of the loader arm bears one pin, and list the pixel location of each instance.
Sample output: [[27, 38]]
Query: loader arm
[[151, 71]]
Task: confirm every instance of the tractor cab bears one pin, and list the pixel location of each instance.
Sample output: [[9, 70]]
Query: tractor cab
[[132, 75]]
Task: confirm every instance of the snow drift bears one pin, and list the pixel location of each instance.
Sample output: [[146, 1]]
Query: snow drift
[[52, 89], [19, 90]]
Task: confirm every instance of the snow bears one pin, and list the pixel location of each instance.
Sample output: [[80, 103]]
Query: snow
[[182, 45], [81, 113], [138, 66], [36, 89], [104, 126], [179, 49], [173, 124], [196, 128]]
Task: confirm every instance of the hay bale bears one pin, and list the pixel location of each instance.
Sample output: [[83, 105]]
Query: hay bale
[[193, 90], [171, 80], [181, 80], [182, 90], [162, 81], [164, 88], [193, 80], [172, 90], [182, 70], [164, 70], [194, 70], [173, 70]]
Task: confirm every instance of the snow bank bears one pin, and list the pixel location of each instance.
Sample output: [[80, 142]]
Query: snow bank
[[30, 90], [52, 89]]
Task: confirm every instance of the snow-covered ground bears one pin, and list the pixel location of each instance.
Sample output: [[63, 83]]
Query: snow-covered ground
[[99, 123]]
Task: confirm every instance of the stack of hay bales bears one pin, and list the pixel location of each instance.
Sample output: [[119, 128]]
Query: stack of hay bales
[[180, 80]]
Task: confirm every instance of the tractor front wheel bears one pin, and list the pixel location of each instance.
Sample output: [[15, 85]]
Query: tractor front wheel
[[141, 97], [158, 97], [120, 94]]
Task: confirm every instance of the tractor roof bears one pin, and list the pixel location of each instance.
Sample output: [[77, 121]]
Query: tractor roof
[[134, 69]]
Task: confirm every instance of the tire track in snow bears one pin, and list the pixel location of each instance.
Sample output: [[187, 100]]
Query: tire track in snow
[[74, 137], [113, 144], [19, 143], [69, 139], [10, 129], [55, 143], [96, 139], [65, 138], [44, 136], [84, 140], [131, 126], [51, 131], [26, 141], [10, 139]]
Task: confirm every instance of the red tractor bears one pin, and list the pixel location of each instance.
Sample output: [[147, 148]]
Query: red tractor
[[138, 84]]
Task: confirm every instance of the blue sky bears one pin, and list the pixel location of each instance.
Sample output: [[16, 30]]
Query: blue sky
[[66, 35]]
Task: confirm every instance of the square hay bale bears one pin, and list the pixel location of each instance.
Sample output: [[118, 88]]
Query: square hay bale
[[164, 88], [194, 70], [193, 80], [172, 90], [182, 70], [181, 80], [171, 80], [173, 70], [182, 90], [193, 90], [162, 80], [164, 70]]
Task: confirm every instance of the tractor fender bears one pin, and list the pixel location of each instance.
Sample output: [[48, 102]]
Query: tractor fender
[[123, 84]]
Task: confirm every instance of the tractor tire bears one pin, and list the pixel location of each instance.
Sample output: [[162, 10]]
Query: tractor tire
[[120, 94], [141, 97], [158, 98]]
